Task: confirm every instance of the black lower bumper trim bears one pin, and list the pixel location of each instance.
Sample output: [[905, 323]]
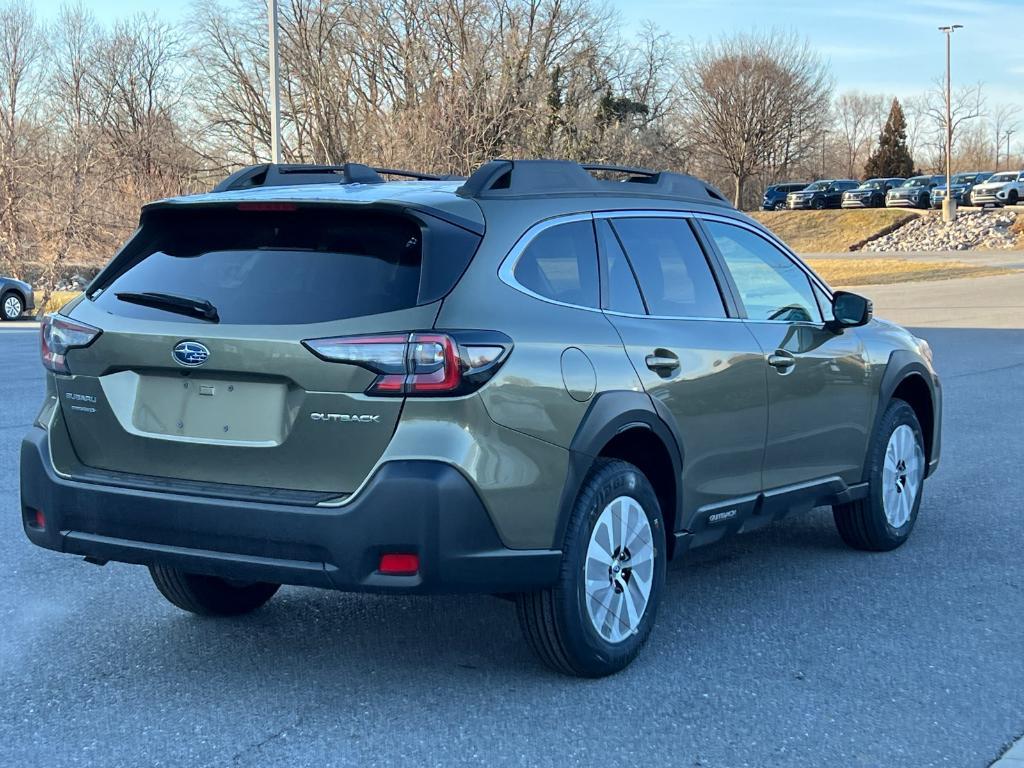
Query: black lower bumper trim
[[423, 507]]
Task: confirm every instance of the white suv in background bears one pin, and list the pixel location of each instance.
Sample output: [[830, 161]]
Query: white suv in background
[[1003, 188]]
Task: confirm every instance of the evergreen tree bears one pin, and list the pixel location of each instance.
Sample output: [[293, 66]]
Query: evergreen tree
[[891, 157]]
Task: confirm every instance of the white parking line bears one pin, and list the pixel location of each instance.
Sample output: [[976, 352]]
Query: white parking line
[[1013, 757]]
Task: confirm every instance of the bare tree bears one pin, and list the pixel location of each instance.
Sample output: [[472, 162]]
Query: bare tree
[[754, 99], [21, 49], [1005, 117], [858, 120], [967, 104]]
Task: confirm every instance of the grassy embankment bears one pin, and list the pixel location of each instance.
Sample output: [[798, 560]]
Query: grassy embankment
[[814, 232]]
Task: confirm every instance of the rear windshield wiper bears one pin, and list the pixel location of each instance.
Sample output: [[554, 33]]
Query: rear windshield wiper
[[172, 302]]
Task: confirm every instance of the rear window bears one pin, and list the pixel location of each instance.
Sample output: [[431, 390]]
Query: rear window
[[281, 267]]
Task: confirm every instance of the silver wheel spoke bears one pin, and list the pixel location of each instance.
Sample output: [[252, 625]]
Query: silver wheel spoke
[[619, 569], [902, 475]]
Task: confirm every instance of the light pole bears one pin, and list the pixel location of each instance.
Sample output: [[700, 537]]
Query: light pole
[[275, 85], [1009, 133], [949, 204]]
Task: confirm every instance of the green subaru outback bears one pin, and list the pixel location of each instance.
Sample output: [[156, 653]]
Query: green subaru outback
[[544, 381]]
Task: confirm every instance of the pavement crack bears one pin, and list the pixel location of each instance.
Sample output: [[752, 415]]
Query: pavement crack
[[236, 759], [982, 372]]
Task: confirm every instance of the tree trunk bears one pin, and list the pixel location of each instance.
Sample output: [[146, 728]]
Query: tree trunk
[[739, 181]]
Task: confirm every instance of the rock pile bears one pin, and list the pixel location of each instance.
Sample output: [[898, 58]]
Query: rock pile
[[972, 229]]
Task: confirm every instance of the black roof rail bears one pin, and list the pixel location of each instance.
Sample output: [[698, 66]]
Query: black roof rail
[[499, 179], [419, 176], [277, 175]]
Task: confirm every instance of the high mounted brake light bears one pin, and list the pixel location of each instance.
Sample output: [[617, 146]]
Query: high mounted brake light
[[57, 335], [266, 207], [424, 363]]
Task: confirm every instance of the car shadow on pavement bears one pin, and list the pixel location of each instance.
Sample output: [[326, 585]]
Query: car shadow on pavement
[[317, 634]]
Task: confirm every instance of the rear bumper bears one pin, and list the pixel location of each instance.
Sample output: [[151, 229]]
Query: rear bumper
[[423, 507]]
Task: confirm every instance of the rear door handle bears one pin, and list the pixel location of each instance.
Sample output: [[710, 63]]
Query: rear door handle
[[662, 364], [781, 360]]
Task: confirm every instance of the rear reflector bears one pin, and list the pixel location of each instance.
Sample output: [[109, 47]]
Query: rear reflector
[[34, 518], [399, 564]]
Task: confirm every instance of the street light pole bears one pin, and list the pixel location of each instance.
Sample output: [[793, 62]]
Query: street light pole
[[948, 204], [275, 85]]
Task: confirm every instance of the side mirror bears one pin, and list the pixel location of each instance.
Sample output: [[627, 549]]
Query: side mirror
[[850, 310]]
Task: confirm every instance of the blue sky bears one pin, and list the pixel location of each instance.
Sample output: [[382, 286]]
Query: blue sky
[[888, 46]]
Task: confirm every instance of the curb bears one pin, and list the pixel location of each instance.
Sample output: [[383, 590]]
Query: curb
[[1013, 757], [20, 325]]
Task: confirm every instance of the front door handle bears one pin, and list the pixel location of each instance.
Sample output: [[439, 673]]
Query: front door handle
[[662, 364], [782, 360]]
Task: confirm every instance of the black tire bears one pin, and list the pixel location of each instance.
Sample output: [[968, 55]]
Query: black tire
[[818, 205], [11, 306], [924, 202], [555, 621], [779, 206], [863, 524], [1012, 197], [209, 595]]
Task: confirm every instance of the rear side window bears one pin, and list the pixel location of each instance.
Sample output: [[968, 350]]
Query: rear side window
[[621, 293], [283, 267], [674, 275], [560, 264]]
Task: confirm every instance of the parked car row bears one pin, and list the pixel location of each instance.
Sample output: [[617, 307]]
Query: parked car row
[[980, 188]]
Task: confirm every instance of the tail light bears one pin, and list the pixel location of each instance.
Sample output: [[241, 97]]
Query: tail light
[[421, 363], [58, 335]]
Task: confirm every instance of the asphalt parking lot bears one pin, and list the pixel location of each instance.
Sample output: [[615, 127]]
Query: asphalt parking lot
[[781, 648]]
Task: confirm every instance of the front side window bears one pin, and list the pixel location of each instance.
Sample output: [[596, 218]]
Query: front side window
[[561, 264], [770, 285], [670, 265]]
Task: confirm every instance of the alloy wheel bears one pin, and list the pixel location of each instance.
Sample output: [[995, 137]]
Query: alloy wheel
[[12, 308], [619, 570], [902, 475]]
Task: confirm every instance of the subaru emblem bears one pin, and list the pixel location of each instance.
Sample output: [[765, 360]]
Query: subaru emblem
[[190, 353]]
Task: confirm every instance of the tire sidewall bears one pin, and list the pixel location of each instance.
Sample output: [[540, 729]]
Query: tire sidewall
[[581, 638], [898, 413]]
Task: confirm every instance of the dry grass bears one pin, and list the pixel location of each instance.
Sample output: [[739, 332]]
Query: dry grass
[[832, 231], [1018, 227], [57, 300], [882, 271]]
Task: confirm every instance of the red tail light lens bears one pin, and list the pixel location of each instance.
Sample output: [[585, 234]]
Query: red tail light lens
[[424, 364], [58, 335]]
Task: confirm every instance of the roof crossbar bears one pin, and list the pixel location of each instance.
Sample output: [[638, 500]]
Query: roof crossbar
[[502, 179], [277, 175]]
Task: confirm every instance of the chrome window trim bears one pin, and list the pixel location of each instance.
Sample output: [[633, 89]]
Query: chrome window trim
[[507, 267]]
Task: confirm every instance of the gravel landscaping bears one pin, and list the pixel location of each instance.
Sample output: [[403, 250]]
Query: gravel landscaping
[[972, 229]]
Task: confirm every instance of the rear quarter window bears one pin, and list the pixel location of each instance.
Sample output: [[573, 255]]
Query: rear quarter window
[[560, 264]]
